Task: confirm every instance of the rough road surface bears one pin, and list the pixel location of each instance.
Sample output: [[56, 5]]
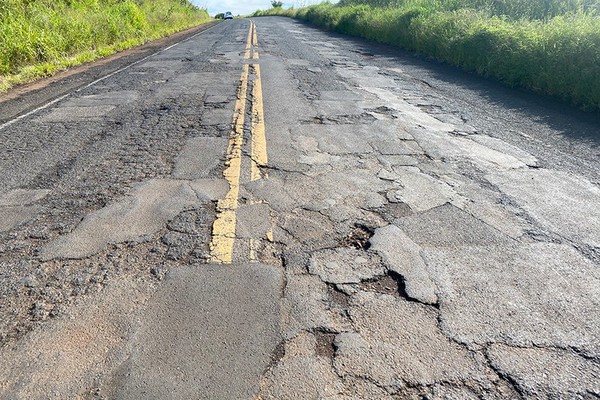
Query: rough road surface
[[269, 211]]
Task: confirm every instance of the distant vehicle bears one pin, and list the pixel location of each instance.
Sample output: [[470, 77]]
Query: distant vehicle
[[228, 15]]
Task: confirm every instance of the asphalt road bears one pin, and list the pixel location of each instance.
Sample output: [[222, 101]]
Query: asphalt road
[[266, 210]]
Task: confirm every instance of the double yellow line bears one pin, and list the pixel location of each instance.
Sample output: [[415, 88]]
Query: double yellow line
[[223, 233], [252, 43]]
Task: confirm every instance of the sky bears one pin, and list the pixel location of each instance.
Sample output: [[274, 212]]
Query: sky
[[245, 7]]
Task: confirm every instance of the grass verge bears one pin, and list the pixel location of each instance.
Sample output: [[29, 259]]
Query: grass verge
[[547, 46], [39, 38]]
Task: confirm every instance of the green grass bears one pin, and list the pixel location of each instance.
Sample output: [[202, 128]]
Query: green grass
[[547, 46], [40, 37]]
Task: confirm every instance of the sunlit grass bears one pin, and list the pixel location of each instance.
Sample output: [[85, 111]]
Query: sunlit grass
[[40, 37], [548, 46]]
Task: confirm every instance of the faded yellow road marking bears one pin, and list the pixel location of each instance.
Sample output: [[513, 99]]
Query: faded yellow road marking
[[259, 139], [255, 41], [249, 41], [252, 255], [224, 227], [223, 233]]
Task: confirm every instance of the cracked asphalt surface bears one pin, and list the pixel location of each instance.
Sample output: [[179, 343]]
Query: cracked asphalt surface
[[417, 232]]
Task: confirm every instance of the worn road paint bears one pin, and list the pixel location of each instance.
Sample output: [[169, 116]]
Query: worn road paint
[[252, 250], [254, 41], [223, 232], [259, 139], [249, 42], [224, 227]]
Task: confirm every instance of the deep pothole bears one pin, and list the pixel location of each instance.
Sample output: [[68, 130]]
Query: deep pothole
[[359, 237], [391, 284], [324, 344]]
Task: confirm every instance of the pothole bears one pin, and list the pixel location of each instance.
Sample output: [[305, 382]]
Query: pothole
[[277, 355], [324, 344], [270, 253], [386, 284], [348, 119], [359, 237], [392, 284], [338, 297], [383, 110], [431, 108]]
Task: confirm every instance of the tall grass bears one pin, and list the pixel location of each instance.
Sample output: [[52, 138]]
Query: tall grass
[[38, 37], [514, 9], [548, 46]]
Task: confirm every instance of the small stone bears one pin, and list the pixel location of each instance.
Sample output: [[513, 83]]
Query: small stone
[[159, 271], [386, 175], [184, 223], [347, 289], [78, 281], [38, 311], [29, 282], [139, 240], [39, 234], [172, 238]]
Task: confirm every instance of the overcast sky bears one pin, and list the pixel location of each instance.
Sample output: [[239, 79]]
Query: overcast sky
[[244, 7]]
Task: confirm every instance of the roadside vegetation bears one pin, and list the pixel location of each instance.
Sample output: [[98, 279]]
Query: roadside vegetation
[[40, 37], [548, 46]]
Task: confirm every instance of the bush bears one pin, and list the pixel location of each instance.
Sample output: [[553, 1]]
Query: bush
[[547, 46], [39, 37]]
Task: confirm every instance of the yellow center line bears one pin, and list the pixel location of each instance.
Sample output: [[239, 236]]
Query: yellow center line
[[258, 152], [224, 227], [254, 42], [249, 41], [223, 232], [254, 35]]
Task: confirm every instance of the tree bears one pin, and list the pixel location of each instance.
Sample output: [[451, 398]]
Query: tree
[[277, 4]]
